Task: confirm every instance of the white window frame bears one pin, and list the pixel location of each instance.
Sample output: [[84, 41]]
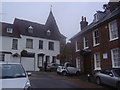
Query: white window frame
[[85, 40], [13, 43], [94, 38], [77, 49], [51, 46], [95, 61], [41, 44], [113, 57], [115, 29], [29, 46], [96, 17], [9, 30], [78, 63]]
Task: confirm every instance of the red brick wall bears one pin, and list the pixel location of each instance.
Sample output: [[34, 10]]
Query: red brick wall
[[105, 47]]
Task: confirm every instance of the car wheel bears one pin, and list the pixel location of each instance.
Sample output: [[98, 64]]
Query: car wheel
[[64, 73], [78, 73], [118, 86], [98, 81]]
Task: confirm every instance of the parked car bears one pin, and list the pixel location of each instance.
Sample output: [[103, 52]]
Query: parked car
[[67, 69], [52, 66], [109, 77], [14, 76]]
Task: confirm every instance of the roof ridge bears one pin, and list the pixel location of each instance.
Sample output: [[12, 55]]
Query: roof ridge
[[28, 21]]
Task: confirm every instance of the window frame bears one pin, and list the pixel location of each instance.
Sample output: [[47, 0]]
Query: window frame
[[40, 44], [85, 42], [112, 57], [9, 30], [13, 44], [113, 30], [2, 57], [77, 45], [97, 37], [30, 47], [51, 45], [95, 61]]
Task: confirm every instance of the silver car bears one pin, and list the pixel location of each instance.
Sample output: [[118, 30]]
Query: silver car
[[109, 77], [13, 75]]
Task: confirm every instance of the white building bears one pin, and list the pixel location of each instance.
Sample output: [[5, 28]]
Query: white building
[[30, 43]]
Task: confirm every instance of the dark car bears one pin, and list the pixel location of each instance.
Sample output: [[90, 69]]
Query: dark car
[[52, 66], [109, 77]]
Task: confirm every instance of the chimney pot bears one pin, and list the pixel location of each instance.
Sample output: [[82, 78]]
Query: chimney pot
[[83, 23]]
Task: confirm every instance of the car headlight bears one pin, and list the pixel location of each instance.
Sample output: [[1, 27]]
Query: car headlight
[[27, 85]]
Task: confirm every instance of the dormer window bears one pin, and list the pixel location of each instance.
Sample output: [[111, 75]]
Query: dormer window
[[48, 32], [99, 15], [96, 18], [30, 29], [9, 30]]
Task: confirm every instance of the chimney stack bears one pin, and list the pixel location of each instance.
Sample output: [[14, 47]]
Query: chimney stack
[[83, 23]]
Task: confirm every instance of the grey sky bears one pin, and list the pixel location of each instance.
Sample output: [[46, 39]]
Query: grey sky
[[67, 14]]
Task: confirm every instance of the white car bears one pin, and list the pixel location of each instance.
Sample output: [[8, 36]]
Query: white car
[[67, 68], [14, 76]]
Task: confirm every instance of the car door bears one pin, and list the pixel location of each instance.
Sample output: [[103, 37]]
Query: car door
[[103, 76], [107, 78], [110, 79], [69, 68]]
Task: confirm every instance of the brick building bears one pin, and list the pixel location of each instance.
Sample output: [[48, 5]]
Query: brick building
[[97, 45]]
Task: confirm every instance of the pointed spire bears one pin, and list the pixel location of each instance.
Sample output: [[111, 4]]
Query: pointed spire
[[50, 7], [50, 18]]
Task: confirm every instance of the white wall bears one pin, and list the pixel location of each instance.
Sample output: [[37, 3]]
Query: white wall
[[7, 46]]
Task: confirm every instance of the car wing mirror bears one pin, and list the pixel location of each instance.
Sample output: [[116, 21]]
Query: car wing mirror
[[29, 73]]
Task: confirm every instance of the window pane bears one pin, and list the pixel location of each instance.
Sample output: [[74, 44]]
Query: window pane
[[77, 45], [15, 44], [97, 60], [116, 57], [29, 43], [113, 29], [2, 57], [40, 44], [51, 45], [96, 37]]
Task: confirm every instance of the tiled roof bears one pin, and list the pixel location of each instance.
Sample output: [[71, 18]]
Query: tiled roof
[[20, 27], [3, 30]]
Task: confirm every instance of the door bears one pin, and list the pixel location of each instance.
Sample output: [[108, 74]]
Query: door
[[28, 63], [40, 61], [78, 63], [48, 59]]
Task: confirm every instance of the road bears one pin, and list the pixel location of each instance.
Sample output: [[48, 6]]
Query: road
[[52, 80]]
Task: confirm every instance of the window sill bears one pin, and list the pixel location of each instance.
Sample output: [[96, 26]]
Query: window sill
[[29, 48], [113, 39], [77, 50], [96, 45], [97, 69], [86, 47], [14, 49]]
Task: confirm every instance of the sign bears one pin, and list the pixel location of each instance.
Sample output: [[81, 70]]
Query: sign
[[105, 55]]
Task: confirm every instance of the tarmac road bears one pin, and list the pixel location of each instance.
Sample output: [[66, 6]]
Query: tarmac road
[[52, 80]]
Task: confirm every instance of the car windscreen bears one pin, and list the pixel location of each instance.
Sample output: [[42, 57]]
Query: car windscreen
[[117, 72], [12, 71]]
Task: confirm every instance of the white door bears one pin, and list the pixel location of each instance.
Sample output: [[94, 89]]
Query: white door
[[78, 63], [28, 63], [40, 61]]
